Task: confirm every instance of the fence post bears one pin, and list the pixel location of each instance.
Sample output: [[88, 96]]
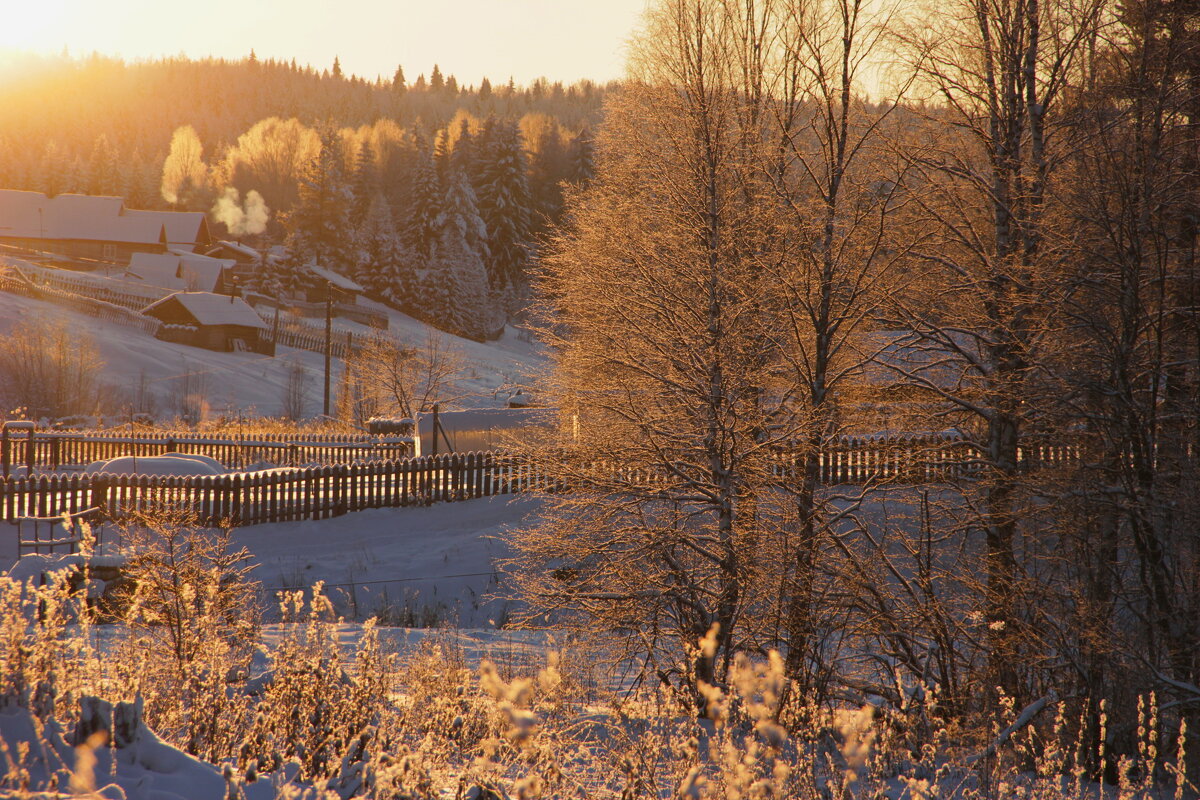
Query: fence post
[[98, 495]]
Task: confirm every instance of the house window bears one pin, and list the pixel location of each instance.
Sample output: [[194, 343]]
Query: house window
[[109, 252]]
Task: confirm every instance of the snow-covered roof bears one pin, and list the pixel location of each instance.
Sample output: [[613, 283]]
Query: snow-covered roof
[[211, 309], [32, 215], [340, 281], [900, 353], [238, 247], [183, 229], [181, 271]]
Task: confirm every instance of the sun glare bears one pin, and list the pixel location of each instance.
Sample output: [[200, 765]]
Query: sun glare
[[38, 27]]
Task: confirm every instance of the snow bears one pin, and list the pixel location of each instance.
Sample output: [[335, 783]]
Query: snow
[[168, 465], [178, 271], [238, 247], [432, 563], [213, 309], [337, 280], [31, 215], [253, 384], [144, 768]]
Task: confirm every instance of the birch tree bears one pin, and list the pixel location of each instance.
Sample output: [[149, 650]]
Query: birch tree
[[983, 181]]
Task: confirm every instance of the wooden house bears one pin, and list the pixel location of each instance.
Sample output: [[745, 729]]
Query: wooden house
[[212, 321], [89, 228], [181, 271]]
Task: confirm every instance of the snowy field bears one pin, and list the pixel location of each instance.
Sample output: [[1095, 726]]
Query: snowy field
[[429, 566], [253, 384], [407, 566]]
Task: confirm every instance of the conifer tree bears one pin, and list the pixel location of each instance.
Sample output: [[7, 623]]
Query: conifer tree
[[140, 182], [548, 168], [462, 158], [424, 202], [504, 202], [382, 269], [462, 245], [55, 170], [365, 183], [319, 229], [581, 154], [102, 175]]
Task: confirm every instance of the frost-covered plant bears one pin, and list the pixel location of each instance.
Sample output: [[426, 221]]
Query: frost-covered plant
[[317, 704], [193, 623], [45, 652]]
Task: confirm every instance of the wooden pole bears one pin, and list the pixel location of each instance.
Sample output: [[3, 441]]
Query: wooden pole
[[328, 339]]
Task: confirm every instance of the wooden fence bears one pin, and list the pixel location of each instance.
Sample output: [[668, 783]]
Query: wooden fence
[[92, 306], [291, 494], [101, 288], [53, 450], [277, 495]]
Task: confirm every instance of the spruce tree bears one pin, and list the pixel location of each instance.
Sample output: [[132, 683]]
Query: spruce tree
[[504, 201], [102, 178], [424, 202], [548, 168], [581, 154], [319, 230], [383, 269], [365, 184], [462, 158], [462, 245]]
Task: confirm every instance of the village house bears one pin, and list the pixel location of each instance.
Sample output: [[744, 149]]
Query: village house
[[101, 229], [182, 271], [212, 321]]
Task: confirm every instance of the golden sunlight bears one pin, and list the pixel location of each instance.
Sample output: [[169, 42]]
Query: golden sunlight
[[36, 26]]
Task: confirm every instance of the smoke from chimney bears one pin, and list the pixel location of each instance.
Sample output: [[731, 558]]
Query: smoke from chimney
[[242, 220]]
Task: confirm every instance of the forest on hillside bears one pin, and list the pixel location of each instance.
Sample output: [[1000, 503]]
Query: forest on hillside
[[430, 193]]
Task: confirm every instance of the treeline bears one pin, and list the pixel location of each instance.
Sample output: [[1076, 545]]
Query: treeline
[[66, 119]]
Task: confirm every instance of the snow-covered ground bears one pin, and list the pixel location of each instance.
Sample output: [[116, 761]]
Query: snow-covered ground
[[253, 384], [411, 567], [408, 566]]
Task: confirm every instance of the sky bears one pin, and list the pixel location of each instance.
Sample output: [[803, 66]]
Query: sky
[[524, 39]]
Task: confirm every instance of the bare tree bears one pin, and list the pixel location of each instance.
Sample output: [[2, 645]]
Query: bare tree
[[49, 370], [1129, 385], [295, 392], [663, 310], [983, 181], [403, 379]]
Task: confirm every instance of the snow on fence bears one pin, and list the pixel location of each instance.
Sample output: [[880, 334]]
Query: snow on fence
[[52, 450], [312, 338], [104, 309], [103, 289], [290, 494], [278, 495]]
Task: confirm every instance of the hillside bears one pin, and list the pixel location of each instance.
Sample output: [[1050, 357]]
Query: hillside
[[167, 379]]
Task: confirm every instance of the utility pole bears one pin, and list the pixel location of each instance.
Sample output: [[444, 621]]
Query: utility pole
[[328, 338]]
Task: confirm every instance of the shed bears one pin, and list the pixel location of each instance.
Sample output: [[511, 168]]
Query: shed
[[481, 429], [212, 321]]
